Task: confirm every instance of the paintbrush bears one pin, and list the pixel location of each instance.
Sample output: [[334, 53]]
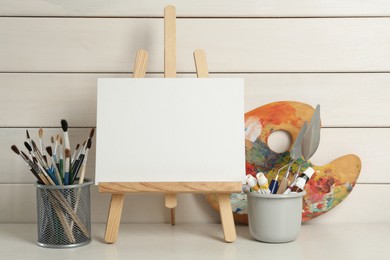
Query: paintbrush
[[67, 167], [33, 165], [61, 158], [28, 137], [82, 177], [54, 148], [29, 142], [273, 187], [35, 169], [42, 144], [30, 152], [27, 161], [92, 133], [41, 163], [35, 161], [54, 165], [84, 163], [38, 155], [79, 153], [56, 145], [79, 161], [74, 154], [64, 125]]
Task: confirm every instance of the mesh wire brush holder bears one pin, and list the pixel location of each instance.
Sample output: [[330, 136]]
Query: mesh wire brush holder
[[63, 215]]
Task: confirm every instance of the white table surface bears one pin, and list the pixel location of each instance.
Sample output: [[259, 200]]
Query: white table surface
[[197, 241]]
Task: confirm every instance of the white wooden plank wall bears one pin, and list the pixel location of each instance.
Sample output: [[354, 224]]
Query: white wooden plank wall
[[330, 52]]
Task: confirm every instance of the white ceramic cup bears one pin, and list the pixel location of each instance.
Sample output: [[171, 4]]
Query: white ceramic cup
[[275, 218]]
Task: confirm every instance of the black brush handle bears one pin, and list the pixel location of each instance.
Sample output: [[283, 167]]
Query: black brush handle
[[77, 166]]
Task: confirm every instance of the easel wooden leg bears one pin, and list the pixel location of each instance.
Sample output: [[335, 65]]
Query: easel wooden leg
[[114, 218], [225, 209], [171, 203]]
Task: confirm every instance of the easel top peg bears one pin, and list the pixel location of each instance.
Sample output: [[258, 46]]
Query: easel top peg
[[170, 42]]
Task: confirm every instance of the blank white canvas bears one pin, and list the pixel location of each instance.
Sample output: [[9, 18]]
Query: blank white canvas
[[170, 130]]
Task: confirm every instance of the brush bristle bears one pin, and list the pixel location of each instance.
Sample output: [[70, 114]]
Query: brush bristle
[[40, 132], [24, 155], [92, 133], [52, 139], [64, 125], [28, 146], [77, 146], [49, 151], [89, 143], [35, 147], [15, 149], [60, 140], [67, 153], [27, 134]]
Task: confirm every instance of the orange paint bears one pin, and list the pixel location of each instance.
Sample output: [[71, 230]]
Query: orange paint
[[276, 113]]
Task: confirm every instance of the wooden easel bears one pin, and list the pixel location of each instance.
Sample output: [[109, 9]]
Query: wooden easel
[[170, 189]]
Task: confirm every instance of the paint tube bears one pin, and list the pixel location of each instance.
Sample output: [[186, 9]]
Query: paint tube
[[252, 183], [263, 183], [300, 182]]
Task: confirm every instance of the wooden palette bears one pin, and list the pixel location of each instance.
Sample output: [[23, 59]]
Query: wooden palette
[[330, 184]]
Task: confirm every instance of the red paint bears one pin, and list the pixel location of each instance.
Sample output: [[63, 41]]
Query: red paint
[[250, 169]]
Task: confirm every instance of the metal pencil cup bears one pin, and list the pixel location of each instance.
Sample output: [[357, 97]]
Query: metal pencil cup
[[63, 213]]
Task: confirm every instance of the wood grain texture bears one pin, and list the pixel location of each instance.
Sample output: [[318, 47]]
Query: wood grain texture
[[347, 99], [187, 8], [225, 210], [169, 42], [169, 187], [170, 200], [200, 59], [140, 64], [114, 218], [171, 203], [271, 45]]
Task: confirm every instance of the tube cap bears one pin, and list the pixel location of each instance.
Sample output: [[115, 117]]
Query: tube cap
[[309, 172], [300, 183], [261, 179], [251, 181]]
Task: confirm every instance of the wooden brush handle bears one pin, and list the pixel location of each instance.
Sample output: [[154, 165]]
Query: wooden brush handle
[[282, 186], [64, 223]]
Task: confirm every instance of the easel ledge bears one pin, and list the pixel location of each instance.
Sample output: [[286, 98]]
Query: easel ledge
[[170, 187]]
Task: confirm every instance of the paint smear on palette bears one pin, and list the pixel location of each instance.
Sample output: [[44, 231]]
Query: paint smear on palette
[[331, 183]]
